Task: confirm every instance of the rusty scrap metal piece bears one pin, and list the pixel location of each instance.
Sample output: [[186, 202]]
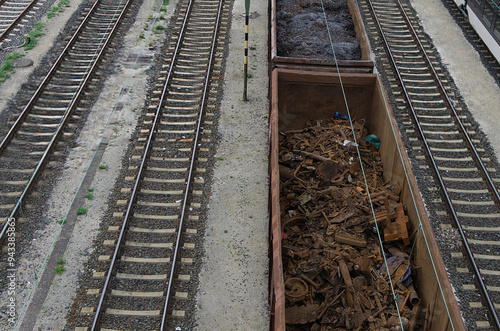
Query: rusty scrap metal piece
[[302, 314], [350, 239], [286, 172], [327, 170], [397, 229], [414, 315], [414, 298], [295, 289], [379, 281], [330, 249]]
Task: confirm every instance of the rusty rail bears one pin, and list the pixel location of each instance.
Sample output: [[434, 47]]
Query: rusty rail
[[483, 289]]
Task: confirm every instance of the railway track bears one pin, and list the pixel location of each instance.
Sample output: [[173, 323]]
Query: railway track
[[443, 136], [146, 272], [12, 12], [38, 127]]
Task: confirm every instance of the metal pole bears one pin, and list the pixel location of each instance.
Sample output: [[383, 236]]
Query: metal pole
[[245, 68]]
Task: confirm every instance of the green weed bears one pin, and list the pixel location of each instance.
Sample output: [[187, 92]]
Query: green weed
[[7, 67], [59, 269], [31, 40], [59, 8], [81, 211], [159, 27]]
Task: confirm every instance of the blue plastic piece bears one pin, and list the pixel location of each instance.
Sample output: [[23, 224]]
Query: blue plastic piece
[[340, 117]]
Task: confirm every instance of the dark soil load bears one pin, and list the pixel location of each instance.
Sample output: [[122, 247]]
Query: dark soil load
[[302, 31]]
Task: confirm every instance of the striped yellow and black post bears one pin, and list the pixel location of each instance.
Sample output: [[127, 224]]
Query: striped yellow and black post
[[245, 68]]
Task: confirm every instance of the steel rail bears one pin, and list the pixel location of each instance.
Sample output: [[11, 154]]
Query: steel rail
[[19, 17], [66, 116], [141, 170], [191, 167], [449, 203]]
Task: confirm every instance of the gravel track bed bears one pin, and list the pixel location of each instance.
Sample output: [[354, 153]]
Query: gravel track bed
[[139, 286], [160, 163], [137, 303], [142, 268], [147, 251], [132, 323], [156, 210], [480, 210], [151, 238], [151, 224]]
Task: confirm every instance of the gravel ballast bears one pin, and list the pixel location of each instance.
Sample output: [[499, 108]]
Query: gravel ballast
[[232, 293]]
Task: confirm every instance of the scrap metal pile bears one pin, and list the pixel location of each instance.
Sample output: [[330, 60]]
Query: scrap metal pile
[[334, 270]]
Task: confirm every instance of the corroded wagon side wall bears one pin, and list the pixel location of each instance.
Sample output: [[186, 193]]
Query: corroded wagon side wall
[[301, 95]]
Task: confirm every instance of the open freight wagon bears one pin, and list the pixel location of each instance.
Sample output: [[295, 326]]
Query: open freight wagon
[[291, 21], [305, 96]]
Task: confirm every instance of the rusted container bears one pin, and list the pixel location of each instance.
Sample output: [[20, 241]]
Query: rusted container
[[302, 95], [365, 64]]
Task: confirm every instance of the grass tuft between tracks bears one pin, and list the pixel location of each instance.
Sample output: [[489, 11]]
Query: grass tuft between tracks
[[158, 28], [60, 266], [58, 9], [31, 39]]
